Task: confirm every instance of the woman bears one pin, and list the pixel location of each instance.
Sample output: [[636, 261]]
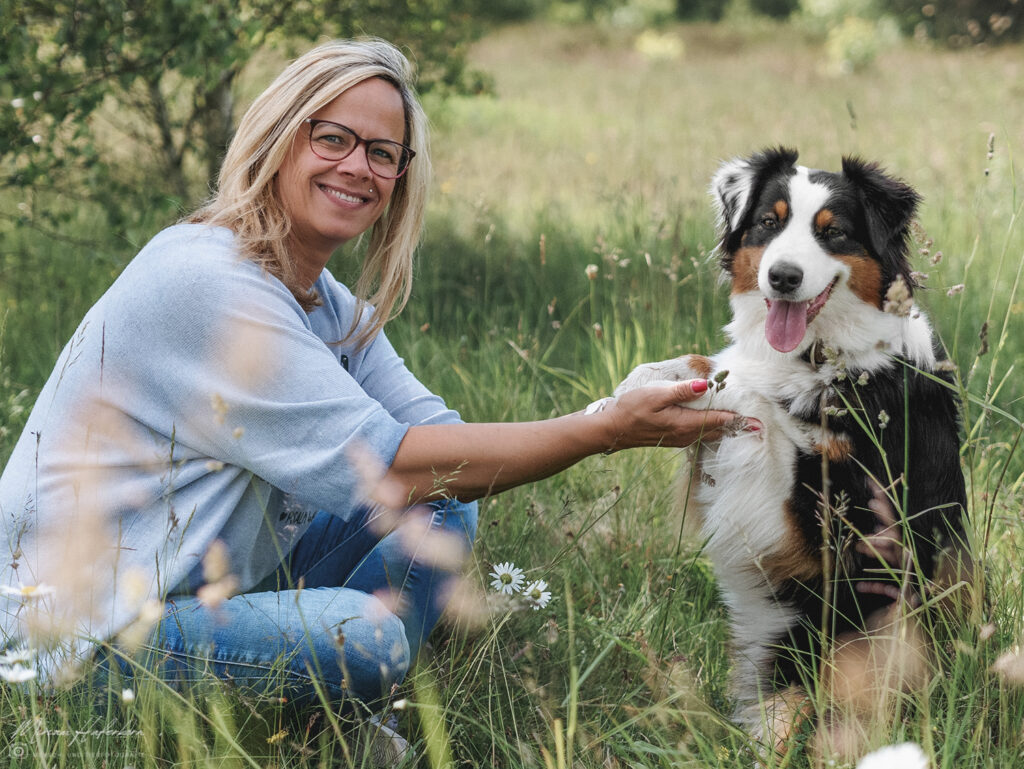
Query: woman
[[207, 430]]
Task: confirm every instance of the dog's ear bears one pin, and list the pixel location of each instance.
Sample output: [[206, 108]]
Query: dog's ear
[[889, 206], [735, 185]]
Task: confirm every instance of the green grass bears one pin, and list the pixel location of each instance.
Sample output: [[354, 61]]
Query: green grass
[[590, 153]]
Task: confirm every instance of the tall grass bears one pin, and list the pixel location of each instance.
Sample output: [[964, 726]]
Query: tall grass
[[590, 153]]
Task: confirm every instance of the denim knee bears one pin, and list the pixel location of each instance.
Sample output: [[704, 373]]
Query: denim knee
[[373, 652]]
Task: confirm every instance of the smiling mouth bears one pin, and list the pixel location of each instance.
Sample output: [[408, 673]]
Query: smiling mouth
[[786, 324], [342, 196]]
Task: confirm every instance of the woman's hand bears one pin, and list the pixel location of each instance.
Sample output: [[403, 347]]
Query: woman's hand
[[656, 415]]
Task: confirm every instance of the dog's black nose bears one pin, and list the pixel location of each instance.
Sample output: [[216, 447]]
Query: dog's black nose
[[785, 277]]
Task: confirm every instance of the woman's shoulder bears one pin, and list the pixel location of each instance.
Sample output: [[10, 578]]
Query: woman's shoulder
[[197, 258], [189, 247]]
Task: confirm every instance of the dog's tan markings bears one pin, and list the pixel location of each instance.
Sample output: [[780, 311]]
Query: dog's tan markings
[[781, 209], [865, 278], [794, 558], [823, 219], [837, 448], [783, 713], [699, 365], [745, 264], [863, 677]]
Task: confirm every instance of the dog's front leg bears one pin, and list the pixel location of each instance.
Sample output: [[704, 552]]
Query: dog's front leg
[[674, 370]]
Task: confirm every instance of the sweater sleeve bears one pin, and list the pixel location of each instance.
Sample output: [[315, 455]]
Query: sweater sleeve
[[205, 347]]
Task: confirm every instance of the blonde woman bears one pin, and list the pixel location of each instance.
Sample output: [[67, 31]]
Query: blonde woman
[[211, 425]]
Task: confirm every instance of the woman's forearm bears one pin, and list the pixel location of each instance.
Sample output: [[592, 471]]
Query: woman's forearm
[[468, 461]]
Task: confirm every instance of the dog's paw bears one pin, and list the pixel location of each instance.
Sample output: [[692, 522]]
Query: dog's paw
[[674, 370]]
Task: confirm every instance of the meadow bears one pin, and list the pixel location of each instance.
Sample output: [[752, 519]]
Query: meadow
[[591, 152]]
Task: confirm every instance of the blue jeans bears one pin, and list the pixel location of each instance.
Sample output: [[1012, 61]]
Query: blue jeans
[[348, 609]]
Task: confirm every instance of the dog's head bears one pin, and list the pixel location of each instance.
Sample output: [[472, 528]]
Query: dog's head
[[813, 246]]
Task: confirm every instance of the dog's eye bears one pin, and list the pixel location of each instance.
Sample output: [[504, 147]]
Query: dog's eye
[[769, 222], [832, 233]]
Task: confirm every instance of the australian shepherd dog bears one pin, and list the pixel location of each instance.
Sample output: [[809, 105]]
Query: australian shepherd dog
[[860, 429]]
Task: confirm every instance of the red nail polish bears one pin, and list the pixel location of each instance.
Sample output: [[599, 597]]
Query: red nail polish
[[699, 386]]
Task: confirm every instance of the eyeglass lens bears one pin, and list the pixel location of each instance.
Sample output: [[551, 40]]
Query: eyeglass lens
[[336, 142]]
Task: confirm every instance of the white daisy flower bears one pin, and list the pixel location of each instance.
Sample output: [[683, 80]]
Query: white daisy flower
[[905, 756], [17, 674], [17, 656], [127, 695], [537, 594], [506, 578], [28, 592]]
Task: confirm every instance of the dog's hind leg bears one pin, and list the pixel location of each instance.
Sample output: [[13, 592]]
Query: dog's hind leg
[[775, 720], [864, 679]]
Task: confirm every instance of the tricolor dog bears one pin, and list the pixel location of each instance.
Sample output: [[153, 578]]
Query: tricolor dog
[[830, 353]]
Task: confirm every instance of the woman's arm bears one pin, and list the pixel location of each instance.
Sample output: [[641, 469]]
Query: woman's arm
[[468, 461]]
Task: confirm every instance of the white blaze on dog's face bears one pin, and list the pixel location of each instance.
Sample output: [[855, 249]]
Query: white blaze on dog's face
[[810, 243]]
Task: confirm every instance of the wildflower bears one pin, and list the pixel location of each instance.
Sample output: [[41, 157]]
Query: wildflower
[[897, 299], [862, 380], [591, 271], [957, 289], [16, 674], [507, 578], [598, 331], [220, 583], [883, 419], [537, 594], [1010, 665], [17, 656], [28, 592], [37, 139], [17, 103], [220, 408], [37, 95], [905, 756], [274, 739], [127, 695]]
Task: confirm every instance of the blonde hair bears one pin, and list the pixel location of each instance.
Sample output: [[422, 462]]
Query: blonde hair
[[246, 201]]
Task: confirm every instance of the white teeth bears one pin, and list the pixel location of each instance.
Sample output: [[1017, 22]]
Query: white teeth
[[342, 195]]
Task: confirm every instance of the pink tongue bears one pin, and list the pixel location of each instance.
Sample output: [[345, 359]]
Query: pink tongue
[[786, 324]]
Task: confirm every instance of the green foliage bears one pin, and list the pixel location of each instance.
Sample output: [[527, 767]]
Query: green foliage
[[128, 104], [777, 9], [960, 23], [701, 10]]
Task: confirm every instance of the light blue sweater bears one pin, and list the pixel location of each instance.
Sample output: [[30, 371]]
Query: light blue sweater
[[196, 401]]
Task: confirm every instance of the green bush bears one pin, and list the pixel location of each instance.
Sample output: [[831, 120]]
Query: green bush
[[960, 23], [702, 10], [777, 9]]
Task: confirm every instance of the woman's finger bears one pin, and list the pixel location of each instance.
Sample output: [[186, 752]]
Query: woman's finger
[[688, 390]]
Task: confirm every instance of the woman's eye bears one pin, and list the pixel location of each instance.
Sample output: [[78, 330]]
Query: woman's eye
[[385, 154]]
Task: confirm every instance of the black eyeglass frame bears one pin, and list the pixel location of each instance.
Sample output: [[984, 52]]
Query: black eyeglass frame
[[407, 153]]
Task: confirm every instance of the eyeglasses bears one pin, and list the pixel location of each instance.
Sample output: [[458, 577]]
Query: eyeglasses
[[335, 142]]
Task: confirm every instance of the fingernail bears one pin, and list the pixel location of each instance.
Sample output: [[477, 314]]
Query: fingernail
[[699, 386]]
